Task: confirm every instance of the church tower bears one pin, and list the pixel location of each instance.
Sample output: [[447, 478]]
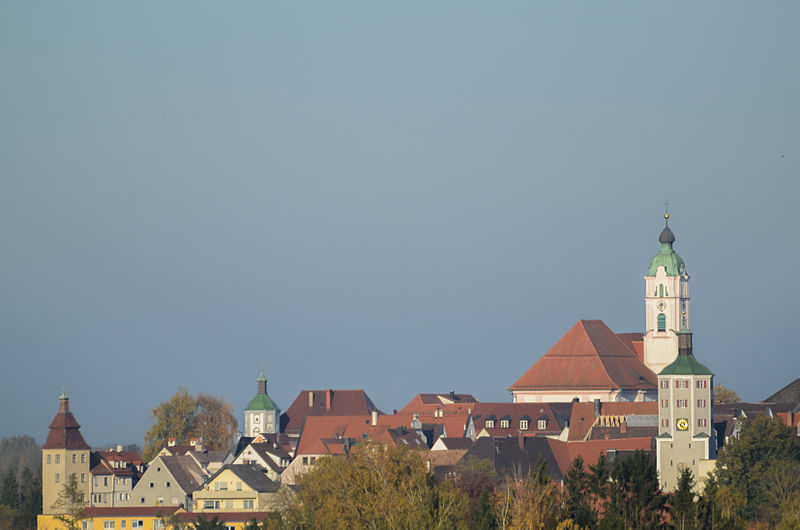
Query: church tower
[[262, 414], [685, 433], [64, 453], [666, 303]]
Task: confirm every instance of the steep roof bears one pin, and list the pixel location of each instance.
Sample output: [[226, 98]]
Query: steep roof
[[533, 412], [185, 470], [327, 402], [64, 429], [251, 474], [790, 394], [330, 434], [588, 356], [516, 456]]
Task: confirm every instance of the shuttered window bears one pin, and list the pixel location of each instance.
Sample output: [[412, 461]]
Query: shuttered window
[[662, 322]]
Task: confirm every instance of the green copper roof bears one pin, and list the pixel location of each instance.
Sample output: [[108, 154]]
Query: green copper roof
[[685, 365], [261, 402], [669, 259]]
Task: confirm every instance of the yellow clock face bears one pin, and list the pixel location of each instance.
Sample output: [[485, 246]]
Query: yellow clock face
[[661, 306], [682, 424]]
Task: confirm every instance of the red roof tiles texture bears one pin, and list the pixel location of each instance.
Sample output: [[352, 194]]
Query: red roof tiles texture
[[588, 356]]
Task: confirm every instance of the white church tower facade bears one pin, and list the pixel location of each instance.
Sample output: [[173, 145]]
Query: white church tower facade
[[262, 415], [666, 303]]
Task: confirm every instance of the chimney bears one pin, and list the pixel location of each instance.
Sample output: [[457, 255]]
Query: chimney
[[596, 408], [452, 394], [310, 399], [170, 442], [328, 399], [374, 418]]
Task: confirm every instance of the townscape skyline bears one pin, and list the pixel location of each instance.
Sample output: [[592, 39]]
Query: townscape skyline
[[402, 199]]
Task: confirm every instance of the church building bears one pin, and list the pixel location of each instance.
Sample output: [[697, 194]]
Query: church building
[[262, 414], [592, 362]]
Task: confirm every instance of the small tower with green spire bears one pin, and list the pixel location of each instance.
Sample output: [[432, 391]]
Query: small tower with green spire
[[666, 302], [685, 410], [262, 414]]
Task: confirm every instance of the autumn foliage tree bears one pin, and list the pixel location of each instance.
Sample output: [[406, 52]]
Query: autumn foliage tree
[[185, 416], [374, 486]]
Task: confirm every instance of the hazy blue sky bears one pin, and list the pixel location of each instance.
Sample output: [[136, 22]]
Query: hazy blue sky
[[404, 198]]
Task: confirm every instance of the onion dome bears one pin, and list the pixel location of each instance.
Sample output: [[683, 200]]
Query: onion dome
[[667, 258]]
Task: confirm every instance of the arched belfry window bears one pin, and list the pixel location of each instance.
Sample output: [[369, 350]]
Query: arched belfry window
[[662, 322], [661, 290]]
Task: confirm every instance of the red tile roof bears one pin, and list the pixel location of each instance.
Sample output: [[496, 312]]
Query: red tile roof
[[588, 356], [329, 434], [131, 511], [582, 417], [327, 402], [634, 342], [533, 412], [565, 452], [64, 430], [430, 402]]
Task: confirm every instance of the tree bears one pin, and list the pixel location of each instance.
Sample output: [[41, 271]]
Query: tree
[[31, 493], [635, 499], [184, 417], [19, 452], [682, 506], [578, 505], [70, 504], [744, 462], [374, 486], [529, 502], [9, 490], [476, 478], [208, 524], [724, 395]]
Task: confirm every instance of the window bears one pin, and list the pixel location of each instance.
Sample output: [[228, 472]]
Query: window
[[702, 422], [665, 423], [168, 483], [489, 424], [541, 424], [662, 322], [58, 459], [83, 478], [661, 290], [152, 484], [681, 383], [313, 459], [248, 504], [208, 505], [48, 459], [664, 403], [305, 460], [58, 478], [523, 425], [255, 419], [122, 524], [504, 424], [701, 403], [664, 383], [105, 481], [228, 504], [108, 524], [238, 486], [141, 500], [74, 459], [683, 403]]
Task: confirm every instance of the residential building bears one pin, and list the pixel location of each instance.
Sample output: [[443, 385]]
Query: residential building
[[267, 454], [325, 403], [113, 476], [64, 453], [168, 481], [237, 487], [528, 419]]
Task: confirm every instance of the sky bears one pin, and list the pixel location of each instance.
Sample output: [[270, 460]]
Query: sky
[[401, 197]]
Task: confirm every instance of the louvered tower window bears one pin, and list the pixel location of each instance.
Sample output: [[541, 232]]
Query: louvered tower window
[[662, 322]]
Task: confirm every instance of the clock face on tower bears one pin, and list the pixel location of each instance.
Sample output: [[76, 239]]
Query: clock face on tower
[[682, 424], [661, 305]]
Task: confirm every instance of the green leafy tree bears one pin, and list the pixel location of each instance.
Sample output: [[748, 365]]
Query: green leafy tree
[[374, 486], [682, 504], [70, 504], [724, 395], [744, 462], [184, 417], [9, 490], [635, 499], [31, 493], [578, 499]]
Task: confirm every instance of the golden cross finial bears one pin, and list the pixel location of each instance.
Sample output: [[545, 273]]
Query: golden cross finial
[[666, 209]]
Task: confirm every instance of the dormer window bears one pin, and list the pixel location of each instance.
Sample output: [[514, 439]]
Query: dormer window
[[489, 424], [542, 424], [504, 424], [523, 425]]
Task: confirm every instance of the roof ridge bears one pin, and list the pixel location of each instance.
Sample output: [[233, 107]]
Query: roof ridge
[[599, 356]]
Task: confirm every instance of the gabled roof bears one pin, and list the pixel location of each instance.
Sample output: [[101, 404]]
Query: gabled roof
[[450, 444], [105, 463], [516, 456], [184, 469], [533, 412], [565, 452], [333, 434], [325, 403], [251, 474], [634, 342], [583, 417], [790, 395], [588, 356], [65, 431], [448, 401]]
